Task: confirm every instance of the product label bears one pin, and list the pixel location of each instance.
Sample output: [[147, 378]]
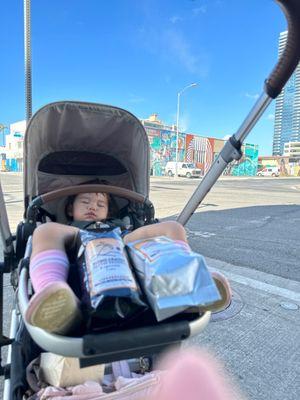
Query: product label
[[107, 266]]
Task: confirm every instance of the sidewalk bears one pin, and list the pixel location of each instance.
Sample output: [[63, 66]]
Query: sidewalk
[[222, 177], [258, 336]]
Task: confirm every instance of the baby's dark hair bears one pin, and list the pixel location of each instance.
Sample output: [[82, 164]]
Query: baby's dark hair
[[112, 205]]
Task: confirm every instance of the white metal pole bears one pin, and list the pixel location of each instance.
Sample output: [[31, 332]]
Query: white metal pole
[[27, 54], [177, 123]]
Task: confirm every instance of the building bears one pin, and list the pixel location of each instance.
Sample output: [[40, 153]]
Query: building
[[287, 109], [292, 149], [162, 140], [192, 148], [286, 165], [154, 122], [13, 150]]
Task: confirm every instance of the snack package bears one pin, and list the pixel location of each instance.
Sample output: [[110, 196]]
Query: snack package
[[62, 371], [110, 291], [172, 276]]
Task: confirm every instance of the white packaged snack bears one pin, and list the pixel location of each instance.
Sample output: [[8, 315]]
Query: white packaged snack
[[111, 294], [172, 276]]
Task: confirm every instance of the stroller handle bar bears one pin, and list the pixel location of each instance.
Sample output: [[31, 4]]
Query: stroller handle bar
[[291, 54], [232, 149], [93, 188], [72, 190]]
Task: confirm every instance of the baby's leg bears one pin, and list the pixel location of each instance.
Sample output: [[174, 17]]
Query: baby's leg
[[175, 231], [51, 236], [171, 229], [54, 307], [49, 261]]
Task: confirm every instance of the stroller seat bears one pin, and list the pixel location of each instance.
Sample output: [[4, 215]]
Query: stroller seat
[[146, 338], [107, 347], [110, 144]]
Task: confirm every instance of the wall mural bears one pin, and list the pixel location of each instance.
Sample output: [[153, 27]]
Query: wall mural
[[199, 150], [287, 166], [163, 149], [247, 165], [194, 149]]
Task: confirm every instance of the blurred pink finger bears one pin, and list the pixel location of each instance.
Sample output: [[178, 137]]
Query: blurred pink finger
[[194, 375]]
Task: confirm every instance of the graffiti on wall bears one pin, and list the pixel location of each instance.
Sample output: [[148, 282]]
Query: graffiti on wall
[[163, 148], [286, 165], [247, 165], [155, 150], [195, 149], [199, 150]]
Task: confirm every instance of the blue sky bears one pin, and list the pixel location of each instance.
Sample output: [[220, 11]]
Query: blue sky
[[137, 54]]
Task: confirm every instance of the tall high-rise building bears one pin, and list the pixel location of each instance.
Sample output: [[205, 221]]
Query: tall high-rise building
[[287, 109]]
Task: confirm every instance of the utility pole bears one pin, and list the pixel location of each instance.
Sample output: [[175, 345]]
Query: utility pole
[[27, 55]]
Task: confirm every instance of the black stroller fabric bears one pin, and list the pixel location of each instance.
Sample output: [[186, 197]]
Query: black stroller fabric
[[23, 351]]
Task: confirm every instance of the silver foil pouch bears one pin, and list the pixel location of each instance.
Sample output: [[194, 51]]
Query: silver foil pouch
[[172, 276]]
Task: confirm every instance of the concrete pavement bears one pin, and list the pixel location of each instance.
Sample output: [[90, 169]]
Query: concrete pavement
[[258, 337]]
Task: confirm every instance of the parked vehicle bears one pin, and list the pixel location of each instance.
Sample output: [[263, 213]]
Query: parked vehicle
[[268, 171], [188, 170]]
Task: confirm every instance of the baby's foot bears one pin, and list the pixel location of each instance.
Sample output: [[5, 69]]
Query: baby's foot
[[54, 309], [225, 292], [224, 289]]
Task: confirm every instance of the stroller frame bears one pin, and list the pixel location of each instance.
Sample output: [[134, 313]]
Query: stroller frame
[[121, 344]]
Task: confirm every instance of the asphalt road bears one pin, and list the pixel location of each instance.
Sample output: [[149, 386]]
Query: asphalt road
[[250, 222], [247, 228]]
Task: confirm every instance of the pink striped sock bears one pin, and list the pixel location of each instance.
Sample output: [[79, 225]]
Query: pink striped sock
[[183, 244], [47, 267]]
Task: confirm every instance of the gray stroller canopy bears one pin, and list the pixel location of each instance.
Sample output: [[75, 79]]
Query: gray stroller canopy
[[67, 143]]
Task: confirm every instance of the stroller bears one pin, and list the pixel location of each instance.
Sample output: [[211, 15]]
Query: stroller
[[68, 143], [105, 143]]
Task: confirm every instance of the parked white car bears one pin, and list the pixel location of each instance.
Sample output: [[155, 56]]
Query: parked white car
[[188, 170], [268, 171]]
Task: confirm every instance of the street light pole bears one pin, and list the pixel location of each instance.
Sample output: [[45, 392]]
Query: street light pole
[[177, 123], [27, 60]]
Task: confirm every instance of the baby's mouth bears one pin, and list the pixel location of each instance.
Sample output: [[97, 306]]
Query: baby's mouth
[[90, 215]]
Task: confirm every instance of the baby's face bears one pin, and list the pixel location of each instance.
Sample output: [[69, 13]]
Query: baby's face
[[90, 207]]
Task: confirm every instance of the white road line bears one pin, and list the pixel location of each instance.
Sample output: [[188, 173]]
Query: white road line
[[266, 287], [200, 233], [258, 221]]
